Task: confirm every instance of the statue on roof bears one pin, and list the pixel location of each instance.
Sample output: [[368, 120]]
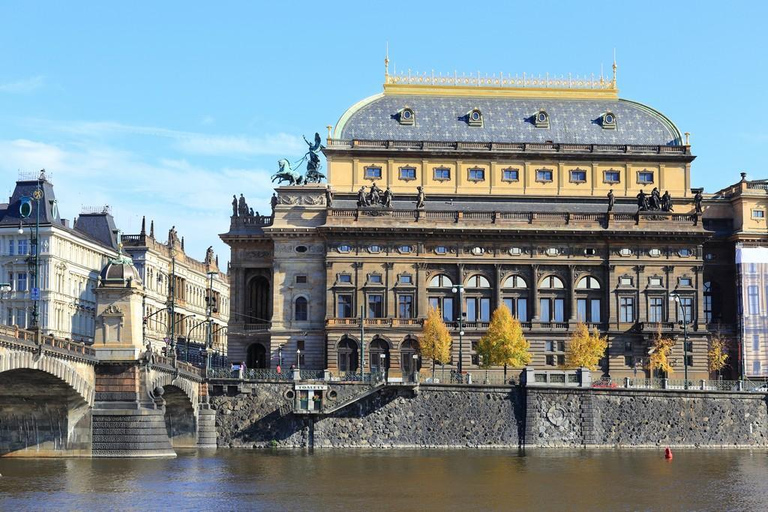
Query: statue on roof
[[654, 202], [666, 202], [273, 202], [242, 206], [642, 201], [286, 173], [697, 201], [421, 197], [234, 205], [313, 174], [362, 200], [209, 256], [173, 237], [374, 196], [388, 196], [611, 200]]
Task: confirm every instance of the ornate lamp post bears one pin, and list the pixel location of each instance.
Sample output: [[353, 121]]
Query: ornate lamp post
[[25, 210], [681, 309], [211, 307], [298, 359], [415, 367]]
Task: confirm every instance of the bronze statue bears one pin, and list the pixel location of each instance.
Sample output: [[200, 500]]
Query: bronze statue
[[421, 198], [273, 202], [666, 202], [697, 201], [655, 201], [243, 206], [250, 212], [611, 200], [361, 199], [234, 205], [387, 199], [313, 174], [642, 201]]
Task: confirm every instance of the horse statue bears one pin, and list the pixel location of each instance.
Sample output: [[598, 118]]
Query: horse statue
[[287, 174]]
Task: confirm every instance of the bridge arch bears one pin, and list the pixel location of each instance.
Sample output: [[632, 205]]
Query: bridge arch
[[181, 396], [60, 368]]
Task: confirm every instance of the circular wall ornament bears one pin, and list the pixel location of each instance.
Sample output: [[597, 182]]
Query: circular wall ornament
[[556, 415]]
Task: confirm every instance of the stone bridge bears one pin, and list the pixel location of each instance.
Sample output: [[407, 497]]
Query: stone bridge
[[58, 399]]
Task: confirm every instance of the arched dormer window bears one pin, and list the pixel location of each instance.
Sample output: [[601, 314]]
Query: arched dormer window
[[541, 119], [475, 117], [406, 116], [608, 120]]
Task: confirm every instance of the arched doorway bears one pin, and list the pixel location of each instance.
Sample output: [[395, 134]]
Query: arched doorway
[[379, 357], [258, 309], [257, 356], [348, 355], [410, 358]]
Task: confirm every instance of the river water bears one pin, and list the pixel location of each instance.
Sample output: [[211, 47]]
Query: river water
[[463, 480]]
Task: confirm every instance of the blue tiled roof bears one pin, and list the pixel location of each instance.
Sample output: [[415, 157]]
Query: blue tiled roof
[[442, 118]]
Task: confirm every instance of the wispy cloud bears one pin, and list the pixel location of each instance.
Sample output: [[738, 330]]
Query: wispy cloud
[[195, 198], [24, 86], [196, 143]]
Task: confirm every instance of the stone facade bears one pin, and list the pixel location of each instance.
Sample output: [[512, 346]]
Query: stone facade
[[260, 415]]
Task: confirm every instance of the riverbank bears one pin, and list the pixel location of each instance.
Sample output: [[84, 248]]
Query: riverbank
[[438, 416]]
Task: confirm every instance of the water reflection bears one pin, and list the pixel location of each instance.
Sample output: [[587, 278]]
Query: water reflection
[[393, 480]]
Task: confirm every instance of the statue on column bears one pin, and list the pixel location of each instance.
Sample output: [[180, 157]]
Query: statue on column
[[243, 206], [234, 205], [697, 199], [273, 202]]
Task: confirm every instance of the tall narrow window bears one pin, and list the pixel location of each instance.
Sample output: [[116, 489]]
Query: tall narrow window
[[375, 305], [302, 309], [655, 309], [626, 309], [753, 300], [344, 305], [405, 306]]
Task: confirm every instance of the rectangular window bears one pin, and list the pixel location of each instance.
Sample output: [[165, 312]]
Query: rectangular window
[[756, 368], [471, 311], [627, 309], [445, 305], [476, 174], [345, 278], [581, 310], [708, 307], [685, 310], [301, 279], [625, 281], [10, 247], [685, 281], [374, 278], [442, 174], [758, 214], [407, 173], [406, 279], [373, 173], [753, 300], [611, 177], [543, 175], [559, 310], [21, 282], [344, 305], [375, 306], [756, 342], [655, 309], [544, 311], [645, 177], [485, 310], [21, 318], [522, 310], [578, 176], [594, 310], [655, 281], [405, 306], [510, 175], [23, 247]]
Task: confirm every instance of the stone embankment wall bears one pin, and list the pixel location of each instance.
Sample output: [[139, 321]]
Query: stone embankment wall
[[260, 415]]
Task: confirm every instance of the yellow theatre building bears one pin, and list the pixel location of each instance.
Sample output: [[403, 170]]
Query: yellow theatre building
[[552, 196]]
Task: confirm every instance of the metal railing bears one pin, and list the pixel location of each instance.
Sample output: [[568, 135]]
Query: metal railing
[[698, 385]]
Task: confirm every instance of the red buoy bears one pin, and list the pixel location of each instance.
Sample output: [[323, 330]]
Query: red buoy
[[668, 453]]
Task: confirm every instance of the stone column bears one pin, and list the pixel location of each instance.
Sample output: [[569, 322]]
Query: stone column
[[572, 296], [699, 320], [330, 280], [498, 274], [534, 289], [390, 304]]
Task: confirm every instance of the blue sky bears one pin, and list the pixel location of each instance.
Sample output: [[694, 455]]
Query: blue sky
[[166, 109]]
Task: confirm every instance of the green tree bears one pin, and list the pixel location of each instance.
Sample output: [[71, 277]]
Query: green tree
[[504, 343], [435, 340], [585, 348]]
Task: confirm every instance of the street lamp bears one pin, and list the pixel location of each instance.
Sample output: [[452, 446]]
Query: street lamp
[[280, 357], [415, 366], [676, 299], [25, 210], [459, 288], [382, 365], [210, 308], [298, 359]]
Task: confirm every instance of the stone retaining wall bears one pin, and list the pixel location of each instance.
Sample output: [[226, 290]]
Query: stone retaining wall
[[260, 415]]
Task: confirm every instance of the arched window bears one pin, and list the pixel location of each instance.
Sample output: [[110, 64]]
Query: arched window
[[588, 300], [552, 300], [515, 282], [410, 358], [551, 282], [440, 281], [301, 309], [257, 356], [258, 300], [478, 281], [588, 283], [515, 297], [379, 354], [348, 357]]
